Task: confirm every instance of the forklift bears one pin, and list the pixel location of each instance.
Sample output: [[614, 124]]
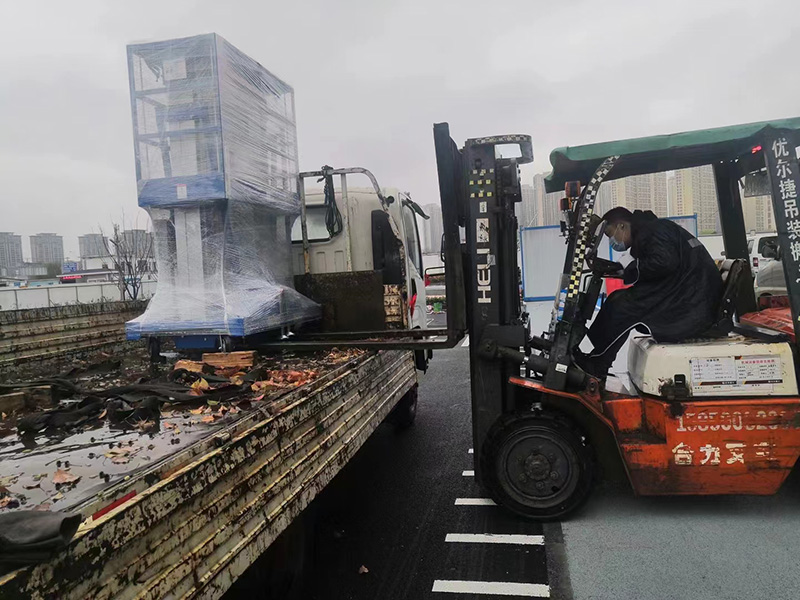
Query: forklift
[[715, 415]]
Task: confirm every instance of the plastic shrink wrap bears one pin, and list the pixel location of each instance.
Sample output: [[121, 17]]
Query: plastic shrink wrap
[[216, 169]]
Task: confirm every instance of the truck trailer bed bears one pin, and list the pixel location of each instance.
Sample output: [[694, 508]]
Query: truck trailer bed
[[183, 511]]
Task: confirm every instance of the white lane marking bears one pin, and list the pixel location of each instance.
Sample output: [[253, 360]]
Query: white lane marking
[[465, 343], [429, 321], [475, 502], [469, 473], [498, 588], [471, 451], [495, 538]]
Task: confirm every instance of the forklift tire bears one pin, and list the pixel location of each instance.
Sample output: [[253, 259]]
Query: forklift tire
[[405, 411], [538, 465]]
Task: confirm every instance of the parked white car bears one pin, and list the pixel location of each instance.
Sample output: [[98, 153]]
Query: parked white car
[[756, 246], [770, 280]]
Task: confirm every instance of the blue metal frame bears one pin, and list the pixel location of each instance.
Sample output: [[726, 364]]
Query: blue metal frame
[[522, 258]]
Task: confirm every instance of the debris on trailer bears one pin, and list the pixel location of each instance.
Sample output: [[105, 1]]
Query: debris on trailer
[[90, 430], [239, 360]]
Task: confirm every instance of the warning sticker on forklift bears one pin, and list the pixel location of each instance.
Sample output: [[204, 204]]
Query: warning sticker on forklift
[[735, 374]]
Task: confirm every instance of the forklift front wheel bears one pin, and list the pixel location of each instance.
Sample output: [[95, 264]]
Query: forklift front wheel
[[538, 465], [405, 411]]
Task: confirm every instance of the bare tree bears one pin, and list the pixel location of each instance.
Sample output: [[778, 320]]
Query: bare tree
[[131, 253]]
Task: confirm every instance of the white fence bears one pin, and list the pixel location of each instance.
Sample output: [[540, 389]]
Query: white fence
[[59, 295]]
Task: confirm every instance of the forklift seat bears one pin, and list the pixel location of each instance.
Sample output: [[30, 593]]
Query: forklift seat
[[745, 354], [731, 272]]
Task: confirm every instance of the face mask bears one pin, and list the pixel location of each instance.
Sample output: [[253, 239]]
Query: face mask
[[616, 244]]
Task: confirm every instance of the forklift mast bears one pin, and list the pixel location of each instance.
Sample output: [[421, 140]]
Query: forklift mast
[[570, 327], [479, 190]]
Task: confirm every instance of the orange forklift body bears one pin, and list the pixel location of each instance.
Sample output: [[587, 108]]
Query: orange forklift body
[[713, 446]]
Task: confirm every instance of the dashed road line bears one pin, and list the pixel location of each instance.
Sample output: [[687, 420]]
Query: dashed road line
[[498, 588], [471, 451], [475, 502], [468, 473], [495, 538]]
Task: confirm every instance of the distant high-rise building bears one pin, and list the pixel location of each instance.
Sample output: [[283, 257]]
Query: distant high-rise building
[[47, 248], [92, 245], [547, 208], [758, 214], [641, 192], [432, 229], [672, 196], [605, 199], [138, 241], [696, 193], [527, 209], [10, 250]]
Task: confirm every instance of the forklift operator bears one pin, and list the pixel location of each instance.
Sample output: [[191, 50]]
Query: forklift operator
[[676, 287]]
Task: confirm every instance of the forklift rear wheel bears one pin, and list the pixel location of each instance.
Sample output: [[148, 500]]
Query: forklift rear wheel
[[405, 411], [538, 465]]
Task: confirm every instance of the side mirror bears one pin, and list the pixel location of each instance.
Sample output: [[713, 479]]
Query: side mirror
[[723, 253], [441, 250]]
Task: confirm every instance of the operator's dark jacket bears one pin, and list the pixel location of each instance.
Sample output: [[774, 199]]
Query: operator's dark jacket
[[676, 288]]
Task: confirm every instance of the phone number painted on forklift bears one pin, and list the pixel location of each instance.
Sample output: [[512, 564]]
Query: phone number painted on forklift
[[735, 420]]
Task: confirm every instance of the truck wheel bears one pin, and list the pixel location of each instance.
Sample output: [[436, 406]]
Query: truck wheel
[[405, 411], [226, 343], [538, 465]]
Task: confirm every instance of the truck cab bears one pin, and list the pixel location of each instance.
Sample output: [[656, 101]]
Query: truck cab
[[359, 232]]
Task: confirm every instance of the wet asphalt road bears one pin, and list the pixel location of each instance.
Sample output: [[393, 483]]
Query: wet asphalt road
[[391, 509]]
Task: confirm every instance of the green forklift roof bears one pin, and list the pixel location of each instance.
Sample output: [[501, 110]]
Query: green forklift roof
[[660, 152]]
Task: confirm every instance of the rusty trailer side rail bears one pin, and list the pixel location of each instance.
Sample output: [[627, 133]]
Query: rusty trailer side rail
[[40, 333], [192, 532]]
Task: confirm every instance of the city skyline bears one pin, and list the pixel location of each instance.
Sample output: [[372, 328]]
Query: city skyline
[[668, 194]]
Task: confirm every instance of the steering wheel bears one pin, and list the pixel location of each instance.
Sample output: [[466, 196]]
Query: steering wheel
[[603, 267], [600, 266]]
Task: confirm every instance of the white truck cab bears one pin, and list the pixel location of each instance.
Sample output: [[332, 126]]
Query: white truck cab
[[345, 238]]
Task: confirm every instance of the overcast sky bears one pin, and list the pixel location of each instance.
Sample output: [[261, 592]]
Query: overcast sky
[[372, 76]]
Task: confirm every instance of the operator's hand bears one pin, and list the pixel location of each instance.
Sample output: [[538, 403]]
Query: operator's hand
[[605, 268], [618, 271]]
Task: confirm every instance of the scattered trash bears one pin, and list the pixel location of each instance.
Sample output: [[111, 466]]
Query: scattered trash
[[9, 501], [189, 365], [8, 480], [362, 570], [198, 387], [64, 477]]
